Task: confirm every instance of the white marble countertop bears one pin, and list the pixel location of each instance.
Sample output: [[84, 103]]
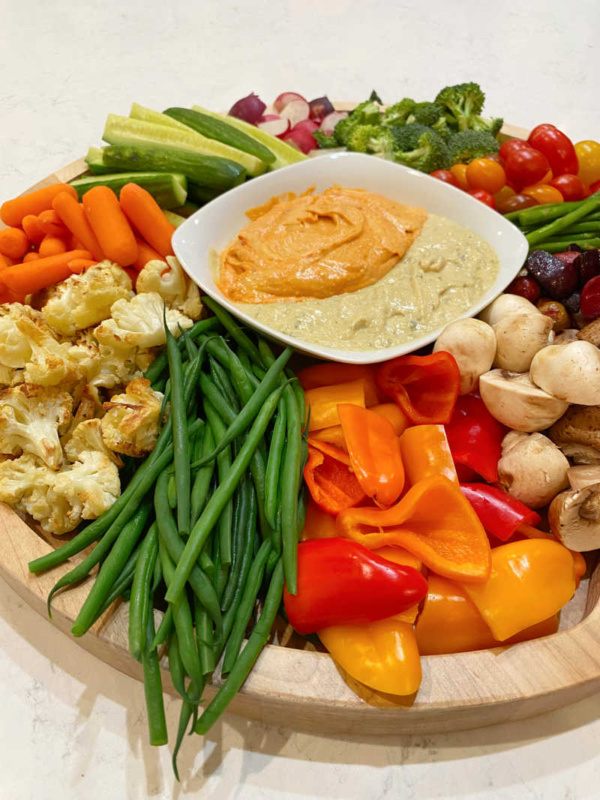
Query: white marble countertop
[[73, 727]]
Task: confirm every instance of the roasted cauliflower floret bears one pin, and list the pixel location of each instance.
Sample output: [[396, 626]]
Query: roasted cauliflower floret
[[15, 347], [130, 424], [24, 484], [139, 322], [49, 363], [84, 300], [172, 284], [88, 436], [105, 365], [31, 418]]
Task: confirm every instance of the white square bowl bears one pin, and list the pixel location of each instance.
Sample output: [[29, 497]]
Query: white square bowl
[[219, 222]]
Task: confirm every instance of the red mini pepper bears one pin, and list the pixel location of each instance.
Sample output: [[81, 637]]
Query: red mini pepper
[[332, 484], [499, 513], [425, 387], [557, 147], [475, 437], [340, 582]]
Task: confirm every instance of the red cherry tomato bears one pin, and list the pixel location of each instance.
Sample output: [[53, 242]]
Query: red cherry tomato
[[557, 148], [484, 197], [483, 173], [444, 175], [570, 186], [518, 202], [526, 287], [590, 299], [510, 146], [526, 166]]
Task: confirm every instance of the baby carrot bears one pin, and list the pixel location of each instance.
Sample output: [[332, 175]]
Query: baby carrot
[[30, 257], [32, 276], [110, 225], [81, 264], [13, 243], [13, 211], [33, 230], [52, 224], [145, 254], [147, 218], [52, 246], [4, 262], [72, 215]]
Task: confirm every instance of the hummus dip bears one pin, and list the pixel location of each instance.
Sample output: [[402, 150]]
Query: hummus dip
[[443, 274]]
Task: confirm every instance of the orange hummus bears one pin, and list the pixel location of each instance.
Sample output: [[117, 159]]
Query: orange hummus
[[317, 246]]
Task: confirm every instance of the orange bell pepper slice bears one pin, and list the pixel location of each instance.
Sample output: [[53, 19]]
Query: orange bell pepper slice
[[425, 387], [449, 622], [434, 521], [391, 412], [530, 580], [330, 374], [323, 402], [374, 453], [383, 655], [425, 452], [330, 480]]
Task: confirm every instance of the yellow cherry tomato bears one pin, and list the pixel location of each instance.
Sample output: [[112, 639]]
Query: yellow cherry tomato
[[588, 155], [502, 196], [543, 193], [483, 173], [460, 173]]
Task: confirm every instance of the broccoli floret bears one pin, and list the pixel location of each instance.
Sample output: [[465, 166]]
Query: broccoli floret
[[419, 147], [374, 139], [367, 113], [461, 103], [464, 146], [426, 114], [325, 140], [493, 126], [399, 112]]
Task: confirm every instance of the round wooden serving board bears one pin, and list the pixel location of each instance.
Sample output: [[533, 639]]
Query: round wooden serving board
[[304, 689]]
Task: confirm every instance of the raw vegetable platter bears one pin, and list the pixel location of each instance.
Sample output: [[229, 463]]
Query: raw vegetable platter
[[294, 683]]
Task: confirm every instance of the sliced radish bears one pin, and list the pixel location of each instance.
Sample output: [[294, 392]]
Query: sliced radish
[[269, 117], [274, 125], [320, 108], [250, 109], [331, 120], [296, 111], [302, 138], [285, 98], [307, 125]]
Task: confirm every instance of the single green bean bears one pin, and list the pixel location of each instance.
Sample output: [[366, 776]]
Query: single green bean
[[562, 223], [121, 585], [291, 476], [172, 492], [164, 629], [187, 710], [272, 475], [248, 413], [200, 583], [245, 522], [206, 563], [536, 215], [203, 476], [229, 359], [580, 237], [140, 601], [247, 364], [221, 380], [233, 329], [223, 467], [588, 226], [177, 669], [246, 607], [182, 618], [204, 640], [157, 577], [155, 707], [246, 660], [181, 442], [219, 499]]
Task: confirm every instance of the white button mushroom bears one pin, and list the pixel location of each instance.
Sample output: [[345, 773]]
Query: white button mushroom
[[473, 345], [570, 372], [517, 403], [583, 475], [506, 304], [574, 518], [520, 336], [532, 469]]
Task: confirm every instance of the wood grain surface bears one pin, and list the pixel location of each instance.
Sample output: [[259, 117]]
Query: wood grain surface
[[304, 689]]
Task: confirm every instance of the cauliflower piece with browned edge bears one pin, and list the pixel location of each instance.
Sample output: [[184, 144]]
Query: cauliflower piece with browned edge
[[24, 485], [49, 363], [105, 365], [31, 418], [172, 284], [130, 425], [87, 435], [86, 299], [15, 348], [139, 322]]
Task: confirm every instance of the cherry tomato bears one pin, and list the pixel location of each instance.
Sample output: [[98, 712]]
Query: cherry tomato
[[519, 202], [460, 173], [444, 175], [557, 148], [526, 287], [557, 313], [570, 186], [590, 299], [510, 146], [588, 153], [483, 173], [526, 166], [503, 195], [484, 197], [543, 193]]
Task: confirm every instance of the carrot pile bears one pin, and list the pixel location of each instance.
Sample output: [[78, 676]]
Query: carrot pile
[[50, 235]]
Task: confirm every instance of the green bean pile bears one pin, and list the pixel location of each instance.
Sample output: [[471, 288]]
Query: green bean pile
[[208, 524], [554, 226]]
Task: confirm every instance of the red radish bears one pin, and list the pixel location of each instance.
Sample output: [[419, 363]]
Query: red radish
[[274, 125], [249, 109], [331, 120], [296, 111], [286, 97], [307, 125], [320, 107], [301, 138]]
